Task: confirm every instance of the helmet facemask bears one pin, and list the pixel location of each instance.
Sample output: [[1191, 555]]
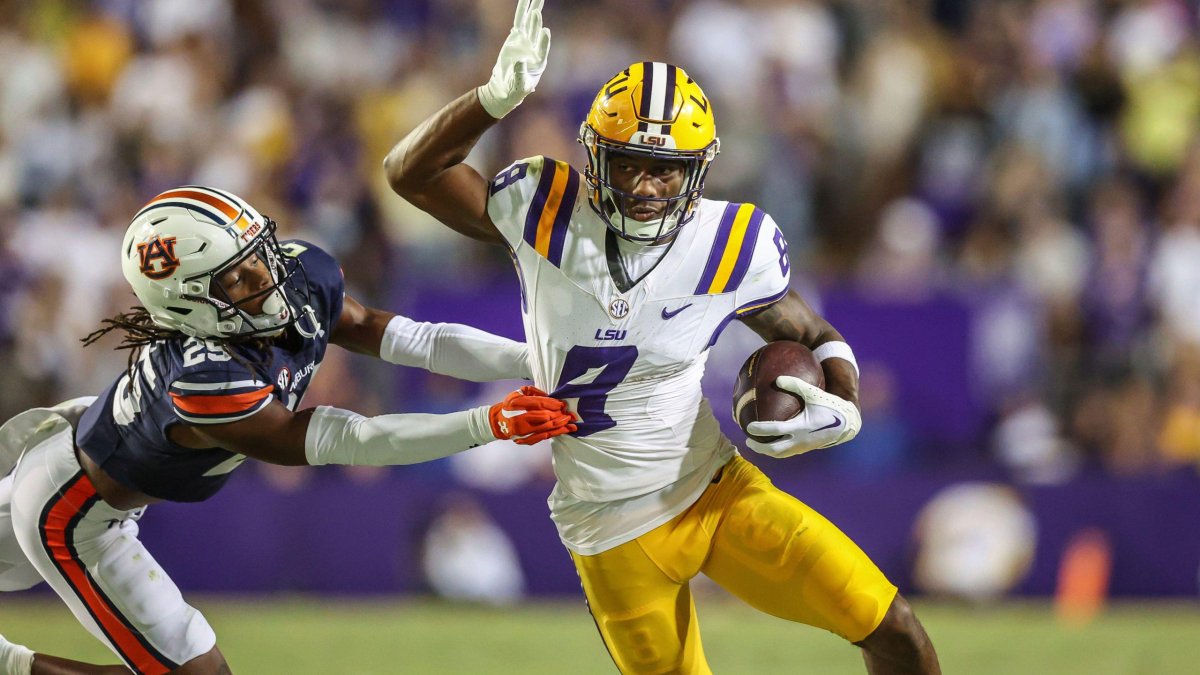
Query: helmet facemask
[[609, 201], [278, 311]]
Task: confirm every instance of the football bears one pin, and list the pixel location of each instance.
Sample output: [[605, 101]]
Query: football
[[755, 396]]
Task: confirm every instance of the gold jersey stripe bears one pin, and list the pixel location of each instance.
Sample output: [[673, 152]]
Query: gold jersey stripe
[[733, 249], [550, 210]]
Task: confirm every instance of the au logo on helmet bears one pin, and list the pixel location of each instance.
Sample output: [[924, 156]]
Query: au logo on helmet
[[161, 249]]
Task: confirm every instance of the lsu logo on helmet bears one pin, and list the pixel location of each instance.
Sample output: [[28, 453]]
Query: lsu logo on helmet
[[161, 249], [650, 109]]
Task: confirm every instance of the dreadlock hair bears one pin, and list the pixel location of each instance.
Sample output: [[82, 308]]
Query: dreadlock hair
[[140, 331]]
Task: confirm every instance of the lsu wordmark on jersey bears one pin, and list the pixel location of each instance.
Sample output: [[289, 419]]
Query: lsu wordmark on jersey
[[630, 363]]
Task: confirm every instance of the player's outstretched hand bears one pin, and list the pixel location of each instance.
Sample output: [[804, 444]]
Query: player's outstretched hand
[[529, 416], [521, 62], [825, 421]]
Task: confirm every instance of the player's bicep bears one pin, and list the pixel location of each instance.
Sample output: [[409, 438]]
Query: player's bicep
[[273, 434], [360, 328], [791, 318], [458, 197]]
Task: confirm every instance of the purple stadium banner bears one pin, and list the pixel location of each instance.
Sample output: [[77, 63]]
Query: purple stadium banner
[[341, 536]]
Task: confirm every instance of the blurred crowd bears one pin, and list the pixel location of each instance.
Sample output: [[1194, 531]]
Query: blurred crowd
[[1035, 159]]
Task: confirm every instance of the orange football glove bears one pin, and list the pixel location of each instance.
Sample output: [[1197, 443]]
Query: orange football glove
[[529, 416]]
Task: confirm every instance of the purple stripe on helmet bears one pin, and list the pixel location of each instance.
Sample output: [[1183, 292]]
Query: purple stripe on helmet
[[538, 203], [647, 89], [747, 252], [562, 219], [718, 249], [669, 104]]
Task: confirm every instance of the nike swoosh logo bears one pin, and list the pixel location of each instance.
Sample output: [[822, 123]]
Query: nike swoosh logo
[[837, 422], [511, 413], [670, 315]]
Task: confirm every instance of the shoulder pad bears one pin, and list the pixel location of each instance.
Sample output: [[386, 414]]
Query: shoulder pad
[[214, 388], [732, 249], [532, 201]]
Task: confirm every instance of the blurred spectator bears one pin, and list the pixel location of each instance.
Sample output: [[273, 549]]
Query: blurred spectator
[[903, 261], [1174, 274], [1029, 442], [1114, 300], [468, 557], [1180, 439], [1039, 159]]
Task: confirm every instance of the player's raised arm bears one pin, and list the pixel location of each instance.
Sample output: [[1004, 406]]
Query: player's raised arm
[[830, 416], [327, 435], [450, 349], [426, 167]]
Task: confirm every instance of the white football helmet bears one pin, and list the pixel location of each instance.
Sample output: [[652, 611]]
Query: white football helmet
[[178, 246]]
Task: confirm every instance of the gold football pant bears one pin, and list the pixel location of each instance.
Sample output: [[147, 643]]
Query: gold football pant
[[756, 541]]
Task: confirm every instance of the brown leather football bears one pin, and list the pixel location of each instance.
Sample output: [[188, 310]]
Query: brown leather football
[[755, 396]]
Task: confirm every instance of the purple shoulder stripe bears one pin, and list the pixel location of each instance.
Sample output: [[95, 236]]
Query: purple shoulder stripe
[[562, 219], [538, 203], [749, 243], [718, 248]]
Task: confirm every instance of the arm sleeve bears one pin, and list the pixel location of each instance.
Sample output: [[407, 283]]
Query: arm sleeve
[[455, 350], [338, 436]]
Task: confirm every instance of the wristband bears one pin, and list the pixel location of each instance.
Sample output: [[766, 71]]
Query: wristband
[[836, 349]]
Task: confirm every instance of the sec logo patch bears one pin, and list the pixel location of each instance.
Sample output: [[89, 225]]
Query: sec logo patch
[[618, 308], [284, 379]]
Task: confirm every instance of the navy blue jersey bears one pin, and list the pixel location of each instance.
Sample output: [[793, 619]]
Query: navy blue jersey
[[195, 381]]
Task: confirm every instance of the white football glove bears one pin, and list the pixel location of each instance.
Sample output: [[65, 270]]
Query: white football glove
[[826, 420], [521, 62]]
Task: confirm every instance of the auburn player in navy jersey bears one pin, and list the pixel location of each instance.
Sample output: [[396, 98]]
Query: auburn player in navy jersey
[[628, 274], [232, 327]]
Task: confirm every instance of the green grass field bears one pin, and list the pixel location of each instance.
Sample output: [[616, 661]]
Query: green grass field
[[295, 636]]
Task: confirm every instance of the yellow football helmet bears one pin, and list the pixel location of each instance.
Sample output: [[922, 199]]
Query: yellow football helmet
[[650, 109]]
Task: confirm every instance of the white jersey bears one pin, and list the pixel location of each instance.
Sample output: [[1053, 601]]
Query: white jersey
[[629, 363]]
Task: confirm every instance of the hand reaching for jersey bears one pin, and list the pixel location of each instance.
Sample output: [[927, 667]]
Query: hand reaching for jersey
[[825, 421], [521, 62], [529, 416]]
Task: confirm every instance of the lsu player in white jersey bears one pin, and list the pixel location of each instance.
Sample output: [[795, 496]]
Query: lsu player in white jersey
[[628, 275]]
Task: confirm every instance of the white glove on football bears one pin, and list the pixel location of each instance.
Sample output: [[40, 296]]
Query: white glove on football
[[826, 420], [521, 62]]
